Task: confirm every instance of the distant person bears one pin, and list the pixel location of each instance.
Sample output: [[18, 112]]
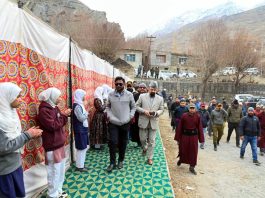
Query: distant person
[[179, 111], [12, 139], [188, 133], [139, 71], [152, 71], [156, 72], [249, 130], [218, 118], [225, 105], [172, 109], [205, 117], [234, 116]]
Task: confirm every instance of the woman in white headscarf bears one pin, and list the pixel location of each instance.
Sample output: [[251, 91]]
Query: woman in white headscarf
[[98, 132], [80, 123], [52, 121], [11, 140]]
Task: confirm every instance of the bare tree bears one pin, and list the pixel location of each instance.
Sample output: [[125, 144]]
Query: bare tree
[[140, 42], [210, 43], [242, 54]]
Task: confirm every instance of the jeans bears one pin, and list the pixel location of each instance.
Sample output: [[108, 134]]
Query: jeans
[[253, 142], [204, 134]]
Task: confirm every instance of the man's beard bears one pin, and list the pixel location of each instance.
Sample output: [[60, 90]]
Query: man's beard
[[152, 94]]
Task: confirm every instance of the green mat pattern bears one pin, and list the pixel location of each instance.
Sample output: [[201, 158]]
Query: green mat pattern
[[136, 179]]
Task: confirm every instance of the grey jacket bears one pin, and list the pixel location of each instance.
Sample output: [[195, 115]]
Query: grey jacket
[[120, 107], [9, 159], [218, 117], [145, 103]]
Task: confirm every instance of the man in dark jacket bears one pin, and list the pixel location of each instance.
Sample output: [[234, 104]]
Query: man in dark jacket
[[205, 117], [172, 109], [249, 130], [179, 111]]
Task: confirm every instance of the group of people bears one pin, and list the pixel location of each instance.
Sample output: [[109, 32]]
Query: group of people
[[117, 114], [191, 121]]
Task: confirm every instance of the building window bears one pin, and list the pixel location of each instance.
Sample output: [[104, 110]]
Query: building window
[[161, 58], [129, 57], [183, 60]]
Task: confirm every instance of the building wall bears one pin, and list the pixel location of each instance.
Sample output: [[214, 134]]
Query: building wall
[[154, 61], [138, 57]]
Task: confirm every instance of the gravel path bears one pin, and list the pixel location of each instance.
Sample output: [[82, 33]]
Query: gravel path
[[220, 174]]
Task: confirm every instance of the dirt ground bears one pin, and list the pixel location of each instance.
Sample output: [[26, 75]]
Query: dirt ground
[[220, 173]]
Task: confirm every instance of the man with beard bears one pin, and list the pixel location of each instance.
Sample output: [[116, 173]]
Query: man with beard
[[150, 106], [261, 142], [188, 133], [234, 116], [179, 111], [218, 118], [120, 111], [134, 126], [249, 130]]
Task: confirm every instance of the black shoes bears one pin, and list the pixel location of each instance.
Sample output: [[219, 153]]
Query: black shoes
[[215, 147], [111, 167], [120, 165], [179, 163], [241, 156], [192, 170], [256, 162], [81, 169]]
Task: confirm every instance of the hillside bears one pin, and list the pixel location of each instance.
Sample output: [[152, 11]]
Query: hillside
[[180, 40]]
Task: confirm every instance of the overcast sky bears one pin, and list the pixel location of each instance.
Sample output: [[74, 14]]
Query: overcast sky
[[135, 16]]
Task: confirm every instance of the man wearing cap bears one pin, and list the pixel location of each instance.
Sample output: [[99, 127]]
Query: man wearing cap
[[205, 117], [234, 116], [179, 111], [150, 106], [134, 126], [261, 142], [249, 130], [120, 111], [188, 133], [218, 118]]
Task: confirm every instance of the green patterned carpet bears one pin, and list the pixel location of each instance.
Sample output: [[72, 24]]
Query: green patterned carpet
[[136, 179]]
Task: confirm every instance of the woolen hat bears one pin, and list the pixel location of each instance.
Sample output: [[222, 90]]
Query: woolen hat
[[250, 109], [153, 84]]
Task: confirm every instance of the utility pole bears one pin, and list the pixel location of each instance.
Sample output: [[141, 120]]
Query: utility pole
[[149, 51]]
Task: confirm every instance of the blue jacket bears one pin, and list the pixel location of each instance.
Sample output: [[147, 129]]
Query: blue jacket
[[249, 126], [205, 117]]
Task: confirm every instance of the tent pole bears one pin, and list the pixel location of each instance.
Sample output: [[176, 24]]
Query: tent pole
[[70, 101]]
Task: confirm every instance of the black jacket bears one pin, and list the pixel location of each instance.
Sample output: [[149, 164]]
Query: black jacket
[[249, 126]]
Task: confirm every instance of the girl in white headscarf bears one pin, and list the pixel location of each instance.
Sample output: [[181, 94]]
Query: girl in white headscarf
[[80, 123], [11, 140], [52, 121], [99, 93]]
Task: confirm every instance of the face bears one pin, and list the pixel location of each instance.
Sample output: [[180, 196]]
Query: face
[[152, 91], [192, 109], [59, 100], [119, 85], [16, 103], [182, 104], [251, 113], [142, 89], [219, 106]]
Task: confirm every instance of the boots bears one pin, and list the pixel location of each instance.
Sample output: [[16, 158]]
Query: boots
[[215, 146], [192, 170]]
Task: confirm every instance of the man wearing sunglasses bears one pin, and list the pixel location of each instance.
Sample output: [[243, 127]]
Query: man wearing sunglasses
[[120, 111], [150, 106], [188, 133]]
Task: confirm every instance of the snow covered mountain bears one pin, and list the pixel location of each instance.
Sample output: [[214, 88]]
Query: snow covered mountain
[[179, 21]]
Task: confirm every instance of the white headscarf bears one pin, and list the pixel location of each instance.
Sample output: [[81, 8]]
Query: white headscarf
[[50, 96], [78, 98], [106, 90], [9, 120], [99, 93]]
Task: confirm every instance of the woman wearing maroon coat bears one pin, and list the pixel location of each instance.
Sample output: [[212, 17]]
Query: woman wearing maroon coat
[[261, 141], [188, 133], [52, 121]]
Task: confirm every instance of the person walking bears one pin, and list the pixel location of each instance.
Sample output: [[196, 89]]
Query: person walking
[[156, 72], [150, 106], [12, 139], [81, 130], [179, 111], [188, 133], [52, 122], [234, 116], [172, 109], [120, 111], [218, 118], [211, 107], [249, 130], [205, 117], [261, 142]]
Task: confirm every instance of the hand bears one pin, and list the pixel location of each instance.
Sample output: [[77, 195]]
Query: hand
[[67, 112], [242, 138], [147, 113], [34, 132], [258, 138]]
